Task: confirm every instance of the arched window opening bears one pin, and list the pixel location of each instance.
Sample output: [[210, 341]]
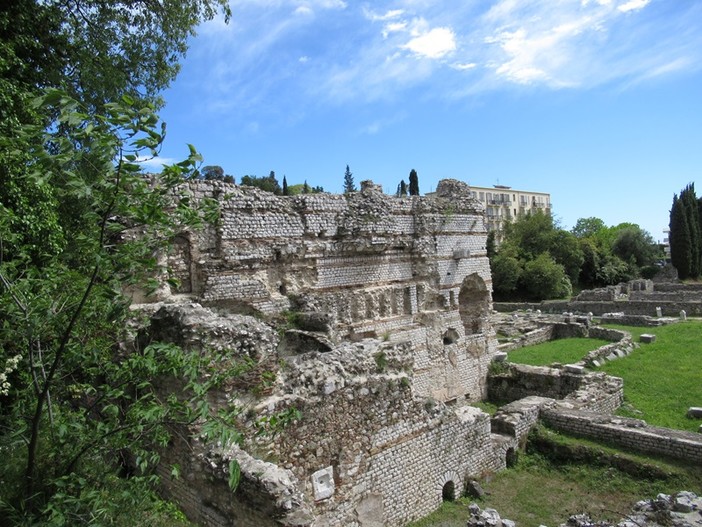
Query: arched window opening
[[473, 304]]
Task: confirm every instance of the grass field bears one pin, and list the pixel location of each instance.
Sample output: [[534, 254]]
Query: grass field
[[565, 351], [662, 380], [540, 492]]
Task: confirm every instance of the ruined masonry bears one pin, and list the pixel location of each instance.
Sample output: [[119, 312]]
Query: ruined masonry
[[366, 313]]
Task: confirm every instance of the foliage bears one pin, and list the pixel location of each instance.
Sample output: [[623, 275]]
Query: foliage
[[633, 244], [349, 185], [97, 51], [401, 189], [286, 191], [588, 227], [686, 234], [381, 361], [592, 255], [268, 183], [506, 273], [215, 173], [543, 278], [76, 402], [661, 379], [413, 183]]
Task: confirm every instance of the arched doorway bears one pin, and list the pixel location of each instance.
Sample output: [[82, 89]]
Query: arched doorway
[[448, 492], [473, 304]]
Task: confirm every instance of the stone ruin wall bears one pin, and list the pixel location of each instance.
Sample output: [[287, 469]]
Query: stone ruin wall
[[406, 269], [366, 276]]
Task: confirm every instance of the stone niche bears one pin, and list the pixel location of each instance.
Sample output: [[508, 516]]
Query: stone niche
[[365, 313]]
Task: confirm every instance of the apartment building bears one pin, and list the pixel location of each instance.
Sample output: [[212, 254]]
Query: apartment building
[[503, 204]]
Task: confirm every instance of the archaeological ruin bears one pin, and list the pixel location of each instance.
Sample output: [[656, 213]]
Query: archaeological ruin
[[364, 320]]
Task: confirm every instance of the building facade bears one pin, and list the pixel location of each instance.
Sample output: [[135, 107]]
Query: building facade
[[504, 204]]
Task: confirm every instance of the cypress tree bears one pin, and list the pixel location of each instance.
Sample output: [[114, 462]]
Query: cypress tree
[[689, 203], [680, 248], [413, 183], [285, 186], [349, 185]]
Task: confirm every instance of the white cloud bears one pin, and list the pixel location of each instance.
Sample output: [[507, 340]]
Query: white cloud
[[394, 27], [370, 52], [155, 163], [304, 10], [388, 15], [465, 66], [433, 44], [633, 5]]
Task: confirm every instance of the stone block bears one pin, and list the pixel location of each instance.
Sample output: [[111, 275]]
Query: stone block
[[323, 483], [500, 356], [574, 368], [647, 338], [694, 412]]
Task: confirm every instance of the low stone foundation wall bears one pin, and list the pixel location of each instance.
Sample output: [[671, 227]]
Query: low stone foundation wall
[[668, 308], [517, 418], [629, 433], [621, 346], [593, 391]]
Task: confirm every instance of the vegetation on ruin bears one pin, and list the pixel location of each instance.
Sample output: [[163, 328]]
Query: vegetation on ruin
[[537, 260], [662, 379], [568, 477], [563, 351]]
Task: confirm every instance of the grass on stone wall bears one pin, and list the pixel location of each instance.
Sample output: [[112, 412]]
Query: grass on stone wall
[[538, 491], [564, 351], [663, 379]]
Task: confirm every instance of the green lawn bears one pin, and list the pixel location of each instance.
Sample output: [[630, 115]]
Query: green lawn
[[565, 351], [540, 492], [662, 380]]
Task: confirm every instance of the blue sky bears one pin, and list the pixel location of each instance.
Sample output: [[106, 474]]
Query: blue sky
[[598, 102]]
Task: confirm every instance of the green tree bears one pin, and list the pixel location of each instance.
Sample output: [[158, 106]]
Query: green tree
[[543, 279], [689, 199], [681, 254], [286, 192], [491, 245], [71, 406], [635, 244], [215, 173], [268, 183], [565, 250], [349, 185], [588, 227], [413, 183], [506, 273]]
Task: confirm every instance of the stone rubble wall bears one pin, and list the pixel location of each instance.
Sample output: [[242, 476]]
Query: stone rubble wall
[[633, 434]]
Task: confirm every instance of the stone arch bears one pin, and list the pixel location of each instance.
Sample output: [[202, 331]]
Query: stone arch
[[473, 304], [448, 492], [450, 336], [448, 483]]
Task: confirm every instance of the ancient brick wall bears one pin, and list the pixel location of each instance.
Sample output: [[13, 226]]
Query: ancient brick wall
[[371, 315], [629, 433]]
